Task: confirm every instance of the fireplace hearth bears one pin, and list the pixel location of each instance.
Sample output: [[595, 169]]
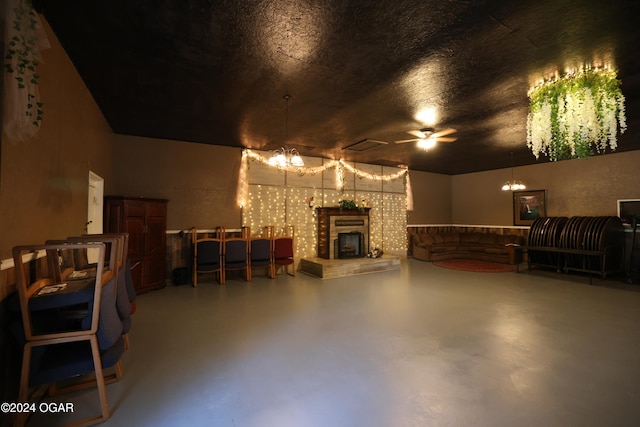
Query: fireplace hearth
[[343, 244]]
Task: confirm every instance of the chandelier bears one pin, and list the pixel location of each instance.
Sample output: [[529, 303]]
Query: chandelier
[[284, 157], [576, 115], [513, 185]]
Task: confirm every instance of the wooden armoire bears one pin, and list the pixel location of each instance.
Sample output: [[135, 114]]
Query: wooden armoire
[[146, 222]]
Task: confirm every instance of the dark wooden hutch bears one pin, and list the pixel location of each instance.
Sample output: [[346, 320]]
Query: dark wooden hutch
[[146, 222]]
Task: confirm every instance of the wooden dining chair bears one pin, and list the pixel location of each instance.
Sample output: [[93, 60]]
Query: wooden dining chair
[[126, 265], [48, 361], [37, 279], [64, 263], [283, 254], [117, 261], [235, 253], [53, 348], [207, 255], [261, 251]]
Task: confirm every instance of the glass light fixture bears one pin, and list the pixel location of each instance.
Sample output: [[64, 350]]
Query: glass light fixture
[[513, 185], [284, 157], [427, 143]]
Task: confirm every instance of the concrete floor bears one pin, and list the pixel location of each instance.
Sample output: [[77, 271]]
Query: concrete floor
[[423, 346]]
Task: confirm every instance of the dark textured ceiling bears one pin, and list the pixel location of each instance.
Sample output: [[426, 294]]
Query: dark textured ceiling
[[215, 72]]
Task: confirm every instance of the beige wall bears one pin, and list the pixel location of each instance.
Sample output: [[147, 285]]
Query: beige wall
[[199, 180], [431, 198], [44, 182], [573, 188]]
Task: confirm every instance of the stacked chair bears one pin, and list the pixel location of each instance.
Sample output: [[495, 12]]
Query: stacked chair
[[224, 251], [72, 315], [117, 262]]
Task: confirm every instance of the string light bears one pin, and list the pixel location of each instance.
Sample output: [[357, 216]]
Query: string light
[[243, 182], [339, 165], [275, 205]]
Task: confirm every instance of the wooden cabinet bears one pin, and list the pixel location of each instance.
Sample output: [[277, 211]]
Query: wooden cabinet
[[146, 222]]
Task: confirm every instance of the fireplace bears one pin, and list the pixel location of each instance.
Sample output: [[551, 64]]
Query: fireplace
[[334, 222], [349, 245]]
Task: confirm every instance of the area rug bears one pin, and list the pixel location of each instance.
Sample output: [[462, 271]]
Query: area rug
[[476, 266]]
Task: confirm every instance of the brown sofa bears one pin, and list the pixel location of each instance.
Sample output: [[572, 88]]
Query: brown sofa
[[491, 247]]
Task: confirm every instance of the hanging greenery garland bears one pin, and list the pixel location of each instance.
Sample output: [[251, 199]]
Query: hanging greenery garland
[[576, 115], [25, 39]]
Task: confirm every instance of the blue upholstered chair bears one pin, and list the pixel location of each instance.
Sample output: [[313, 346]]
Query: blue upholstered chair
[[261, 251], [118, 244], [72, 347], [207, 255], [36, 278], [47, 361], [131, 290], [235, 254]]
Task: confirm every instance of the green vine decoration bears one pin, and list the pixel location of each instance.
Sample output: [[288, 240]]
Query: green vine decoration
[[20, 58], [349, 204], [576, 115]]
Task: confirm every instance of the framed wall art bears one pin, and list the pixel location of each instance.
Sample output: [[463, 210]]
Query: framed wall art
[[528, 205]]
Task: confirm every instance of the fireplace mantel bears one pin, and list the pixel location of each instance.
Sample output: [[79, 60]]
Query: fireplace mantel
[[328, 231]]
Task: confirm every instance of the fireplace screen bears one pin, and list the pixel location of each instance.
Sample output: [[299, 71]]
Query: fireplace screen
[[349, 245]]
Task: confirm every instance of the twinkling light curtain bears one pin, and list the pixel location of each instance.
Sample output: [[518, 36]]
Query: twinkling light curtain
[[265, 207], [303, 218], [394, 232], [277, 197]]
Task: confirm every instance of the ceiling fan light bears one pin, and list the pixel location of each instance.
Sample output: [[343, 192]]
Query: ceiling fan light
[[427, 144]]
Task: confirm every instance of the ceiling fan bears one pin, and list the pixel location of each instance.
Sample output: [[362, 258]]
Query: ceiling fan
[[427, 137]]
